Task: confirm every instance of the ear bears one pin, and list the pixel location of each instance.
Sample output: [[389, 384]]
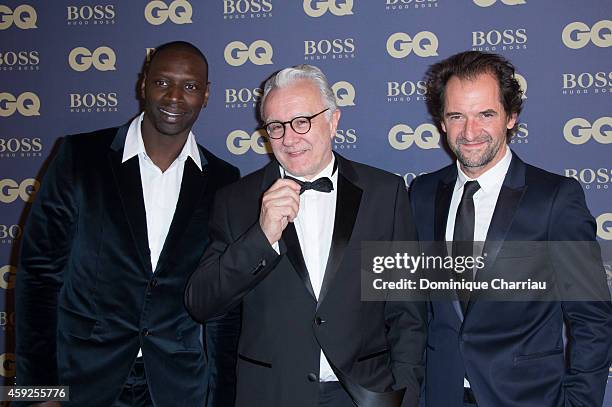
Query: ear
[[333, 123], [443, 126], [511, 121], [143, 86], [206, 94]]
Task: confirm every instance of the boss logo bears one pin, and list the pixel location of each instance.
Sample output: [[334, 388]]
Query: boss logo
[[522, 135], [10, 190], [27, 104], [240, 8], [489, 3], [604, 226], [7, 318], [406, 91], [27, 60], [97, 14], [179, 12], [9, 233], [94, 102], [406, 4], [506, 39], [425, 136], [237, 53], [316, 8], [579, 131], [598, 82], [7, 282], [424, 44], [345, 139], [598, 178], [577, 35], [25, 147], [7, 365], [103, 58], [337, 48], [409, 177], [344, 93], [242, 97], [239, 142], [23, 17]]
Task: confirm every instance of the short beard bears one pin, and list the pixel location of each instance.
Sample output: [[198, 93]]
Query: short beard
[[479, 161]]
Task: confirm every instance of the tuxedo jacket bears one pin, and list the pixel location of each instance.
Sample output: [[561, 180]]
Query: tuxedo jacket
[[377, 346], [86, 296], [513, 353]]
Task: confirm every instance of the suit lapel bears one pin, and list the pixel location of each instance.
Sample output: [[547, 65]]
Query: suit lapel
[[510, 197], [350, 196], [192, 186], [127, 178]]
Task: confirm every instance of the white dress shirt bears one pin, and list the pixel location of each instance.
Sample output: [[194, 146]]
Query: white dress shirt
[[485, 200], [160, 190], [314, 226]]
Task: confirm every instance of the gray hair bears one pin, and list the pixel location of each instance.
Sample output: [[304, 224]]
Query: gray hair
[[289, 76]]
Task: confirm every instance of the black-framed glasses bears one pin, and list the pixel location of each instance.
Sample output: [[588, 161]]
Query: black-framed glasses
[[300, 125]]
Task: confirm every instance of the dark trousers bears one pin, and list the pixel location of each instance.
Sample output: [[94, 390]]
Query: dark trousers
[[135, 392], [332, 394]]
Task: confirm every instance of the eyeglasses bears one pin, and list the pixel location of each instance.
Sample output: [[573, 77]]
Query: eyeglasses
[[300, 125]]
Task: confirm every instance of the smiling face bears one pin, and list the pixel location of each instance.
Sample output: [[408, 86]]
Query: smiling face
[[302, 155], [174, 90], [475, 122]]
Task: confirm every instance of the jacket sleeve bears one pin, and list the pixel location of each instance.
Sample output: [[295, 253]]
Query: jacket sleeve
[[45, 250], [231, 265], [406, 320], [589, 323]]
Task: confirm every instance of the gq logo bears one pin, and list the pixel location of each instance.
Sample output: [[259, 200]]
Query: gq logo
[[259, 53], [489, 3], [316, 8], [7, 281], [7, 365], [23, 17], [10, 190], [604, 226], [344, 93], [424, 44], [179, 12], [586, 130], [522, 83], [102, 58], [402, 136], [239, 142], [600, 34], [27, 104]]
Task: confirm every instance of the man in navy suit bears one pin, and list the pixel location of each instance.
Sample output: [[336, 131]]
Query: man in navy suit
[[118, 225], [506, 353]]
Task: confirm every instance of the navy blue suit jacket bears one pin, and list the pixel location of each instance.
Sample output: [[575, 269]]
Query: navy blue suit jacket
[[86, 295], [513, 352]]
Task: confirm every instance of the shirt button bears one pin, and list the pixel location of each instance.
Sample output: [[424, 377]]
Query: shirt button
[[319, 321], [312, 377], [153, 283], [145, 332]]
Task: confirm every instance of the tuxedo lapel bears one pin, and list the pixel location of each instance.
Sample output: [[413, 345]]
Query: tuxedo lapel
[[129, 185], [192, 186], [349, 195]]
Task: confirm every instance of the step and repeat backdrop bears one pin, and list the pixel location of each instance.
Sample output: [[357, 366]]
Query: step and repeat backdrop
[[73, 66]]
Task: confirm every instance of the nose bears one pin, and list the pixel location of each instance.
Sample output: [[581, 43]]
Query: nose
[[291, 137], [173, 93], [472, 129]]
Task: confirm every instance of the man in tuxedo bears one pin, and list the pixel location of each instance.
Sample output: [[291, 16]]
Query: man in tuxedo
[[504, 353], [286, 245], [118, 225]]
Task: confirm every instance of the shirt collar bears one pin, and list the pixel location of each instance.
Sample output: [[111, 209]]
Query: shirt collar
[[489, 179], [328, 172], [134, 144]]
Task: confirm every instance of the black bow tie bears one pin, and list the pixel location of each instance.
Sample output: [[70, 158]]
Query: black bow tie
[[323, 184]]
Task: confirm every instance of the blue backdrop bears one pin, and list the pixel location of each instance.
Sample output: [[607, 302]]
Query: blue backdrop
[[72, 66]]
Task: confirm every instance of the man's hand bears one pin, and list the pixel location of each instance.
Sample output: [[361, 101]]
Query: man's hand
[[279, 206]]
